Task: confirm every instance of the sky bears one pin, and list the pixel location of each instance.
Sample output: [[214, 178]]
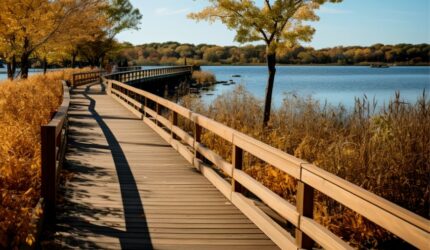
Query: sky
[[351, 22]]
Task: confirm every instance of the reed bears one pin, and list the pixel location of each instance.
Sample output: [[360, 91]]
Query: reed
[[25, 105], [204, 77], [386, 151]]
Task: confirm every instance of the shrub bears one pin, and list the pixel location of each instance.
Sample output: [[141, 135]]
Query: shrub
[[25, 105], [203, 77]]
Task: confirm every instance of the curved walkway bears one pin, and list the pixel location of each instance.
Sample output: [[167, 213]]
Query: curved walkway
[[128, 189]]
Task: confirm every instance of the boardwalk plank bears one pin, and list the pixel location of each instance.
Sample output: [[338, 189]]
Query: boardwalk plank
[[128, 189]]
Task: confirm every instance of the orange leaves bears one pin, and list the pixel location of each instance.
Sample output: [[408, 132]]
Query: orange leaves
[[24, 106]]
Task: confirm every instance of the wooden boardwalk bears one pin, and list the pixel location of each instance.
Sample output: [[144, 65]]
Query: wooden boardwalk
[[129, 189]]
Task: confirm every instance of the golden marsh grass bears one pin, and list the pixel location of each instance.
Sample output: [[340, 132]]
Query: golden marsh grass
[[385, 151]]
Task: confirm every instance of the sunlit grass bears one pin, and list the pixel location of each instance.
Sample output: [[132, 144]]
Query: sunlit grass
[[385, 151], [25, 105]]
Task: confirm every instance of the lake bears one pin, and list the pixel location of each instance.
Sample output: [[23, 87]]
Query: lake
[[336, 84], [3, 76]]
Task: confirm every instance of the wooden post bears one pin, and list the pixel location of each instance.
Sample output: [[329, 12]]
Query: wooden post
[[48, 189], [158, 110], [305, 207], [237, 162], [145, 105], [174, 116], [197, 139], [73, 80]]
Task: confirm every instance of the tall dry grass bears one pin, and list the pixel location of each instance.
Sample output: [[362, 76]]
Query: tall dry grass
[[385, 151], [203, 77], [25, 105]]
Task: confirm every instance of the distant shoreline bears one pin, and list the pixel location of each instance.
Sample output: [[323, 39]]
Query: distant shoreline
[[304, 65]]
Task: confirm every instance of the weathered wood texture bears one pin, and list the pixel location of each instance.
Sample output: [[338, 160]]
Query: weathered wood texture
[[405, 224], [127, 188], [53, 146], [79, 79]]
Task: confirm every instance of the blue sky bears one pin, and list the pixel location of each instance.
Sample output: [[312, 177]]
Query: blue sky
[[352, 22]]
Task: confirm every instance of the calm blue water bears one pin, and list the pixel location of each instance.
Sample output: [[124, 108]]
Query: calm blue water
[[32, 71], [336, 84]]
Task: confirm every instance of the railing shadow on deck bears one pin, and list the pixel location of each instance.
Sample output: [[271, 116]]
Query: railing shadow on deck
[[128, 188]]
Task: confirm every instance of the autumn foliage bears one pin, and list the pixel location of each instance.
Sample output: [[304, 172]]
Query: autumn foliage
[[24, 106], [385, 151]]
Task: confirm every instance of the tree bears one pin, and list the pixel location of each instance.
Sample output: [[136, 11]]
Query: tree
[[121, 15], [32, 24], [279, 23]]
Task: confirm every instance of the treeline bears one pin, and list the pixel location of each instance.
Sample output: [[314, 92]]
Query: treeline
[[176, 53]]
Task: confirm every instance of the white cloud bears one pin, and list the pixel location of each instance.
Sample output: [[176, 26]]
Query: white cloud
[[169, 12], [327, 10]]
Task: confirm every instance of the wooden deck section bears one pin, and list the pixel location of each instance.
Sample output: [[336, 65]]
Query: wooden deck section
[[128, 189]]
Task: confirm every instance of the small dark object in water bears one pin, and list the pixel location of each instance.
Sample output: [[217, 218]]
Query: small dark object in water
[[232, 82], [226, 84], [194, 90], [236, 76], [209, 94], [221, 82]]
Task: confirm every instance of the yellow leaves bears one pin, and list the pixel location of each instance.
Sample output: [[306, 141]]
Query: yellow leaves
[[24, 106], [30, 240], [278, 23], [57, 25]]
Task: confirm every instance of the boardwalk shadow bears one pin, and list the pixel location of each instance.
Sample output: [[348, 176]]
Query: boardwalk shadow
[[136, 234]]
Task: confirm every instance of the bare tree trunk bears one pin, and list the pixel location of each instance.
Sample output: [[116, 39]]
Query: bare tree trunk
[[271, 63], [74, 55], [45, 65], [24, 65], [10, 74], [11, 68]]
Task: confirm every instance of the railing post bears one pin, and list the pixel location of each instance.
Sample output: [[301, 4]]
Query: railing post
[[305, 207], [174, 116], [73, 80], [158, 110], [145, 106], [109, 88], [197, 139], [237, 162], [48, 189]]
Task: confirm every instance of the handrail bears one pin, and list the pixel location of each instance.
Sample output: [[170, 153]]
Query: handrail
[[401, 222], [53, 147], [148, 74], [79, 79], [128, 68]]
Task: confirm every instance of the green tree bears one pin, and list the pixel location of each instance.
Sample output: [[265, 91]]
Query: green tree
[[279, 23]]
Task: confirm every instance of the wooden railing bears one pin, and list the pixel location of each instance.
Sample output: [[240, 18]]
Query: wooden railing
[[53, 143], [79, 79], [401, 222], [149, 74], [129, 68]]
